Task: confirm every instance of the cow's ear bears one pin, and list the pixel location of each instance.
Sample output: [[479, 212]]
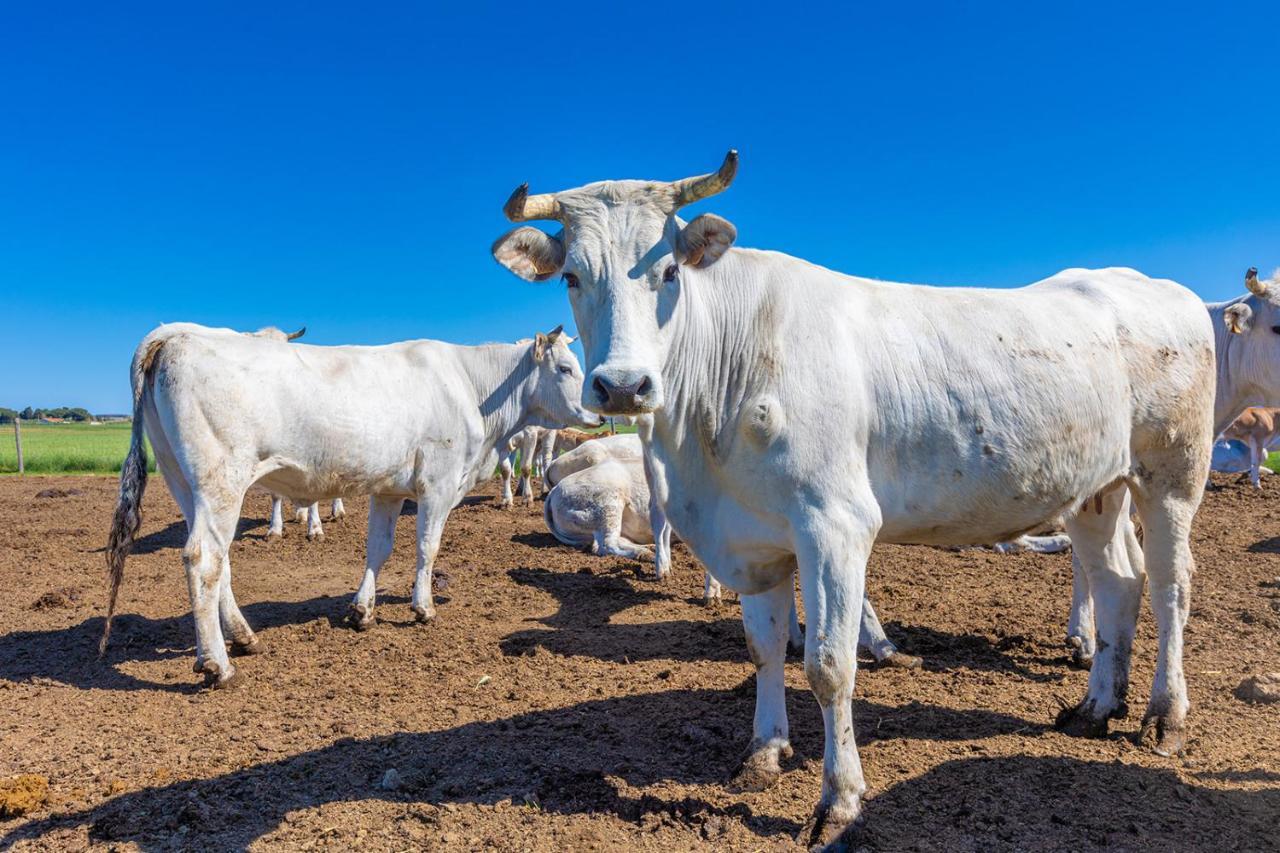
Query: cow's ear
[[540, 344], [1238, 318], [529, 253], [705, 239]]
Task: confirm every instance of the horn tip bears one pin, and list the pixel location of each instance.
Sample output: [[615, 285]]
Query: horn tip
[[1251, 273]]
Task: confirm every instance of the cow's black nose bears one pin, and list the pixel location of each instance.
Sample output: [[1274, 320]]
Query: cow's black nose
[[622, 396]]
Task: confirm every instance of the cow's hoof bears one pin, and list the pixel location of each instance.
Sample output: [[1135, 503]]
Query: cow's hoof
[[760, 770], [273, 535], [315, 537], [422, 614], [711, 600], [338, 515], [1081, 655], [899, 660], [832, 830], [1163, 736], [360, 617], [1082, 721], [215, 678], [253, 647]]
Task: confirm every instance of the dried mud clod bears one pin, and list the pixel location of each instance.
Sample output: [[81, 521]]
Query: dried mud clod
[[22, 794]]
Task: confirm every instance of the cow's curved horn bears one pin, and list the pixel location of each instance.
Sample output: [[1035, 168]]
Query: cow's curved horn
[[295, 335], [1256, 287], [689, 190], [522, 207]]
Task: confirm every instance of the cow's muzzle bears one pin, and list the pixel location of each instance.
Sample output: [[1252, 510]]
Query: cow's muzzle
[[618, 392]]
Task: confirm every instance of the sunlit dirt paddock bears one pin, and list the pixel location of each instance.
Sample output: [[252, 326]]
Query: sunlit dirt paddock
[[565, 702]]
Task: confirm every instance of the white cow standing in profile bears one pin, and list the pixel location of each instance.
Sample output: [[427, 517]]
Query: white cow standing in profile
[[801, 415], [419, 419]]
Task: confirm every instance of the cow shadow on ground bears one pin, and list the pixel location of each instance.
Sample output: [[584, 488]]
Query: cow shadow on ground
[[174, 536], [584, 625], [70, 655], [1270, 545], [570, 760]]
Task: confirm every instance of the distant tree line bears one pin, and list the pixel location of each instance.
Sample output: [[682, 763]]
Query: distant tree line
[[67, 413]]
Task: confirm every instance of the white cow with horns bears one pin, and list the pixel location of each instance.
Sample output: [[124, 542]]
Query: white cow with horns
[[419, 419], [801, 415]]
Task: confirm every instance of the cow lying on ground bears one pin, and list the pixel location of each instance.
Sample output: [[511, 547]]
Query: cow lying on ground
[[1256, 427], [419, 419], [801, 415]]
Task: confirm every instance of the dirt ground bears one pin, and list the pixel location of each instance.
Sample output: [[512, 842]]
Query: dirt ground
[[562, 702]]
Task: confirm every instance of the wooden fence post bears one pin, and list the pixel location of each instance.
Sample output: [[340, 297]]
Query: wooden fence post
[[17, 437]]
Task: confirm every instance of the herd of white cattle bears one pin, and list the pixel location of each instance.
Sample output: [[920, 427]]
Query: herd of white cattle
[[788, 418]]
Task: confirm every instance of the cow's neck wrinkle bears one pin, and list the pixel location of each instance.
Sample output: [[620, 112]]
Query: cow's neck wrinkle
[[723, 326], [498, 374]]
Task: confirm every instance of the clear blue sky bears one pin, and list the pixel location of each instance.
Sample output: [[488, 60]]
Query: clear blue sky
[[344, 166]]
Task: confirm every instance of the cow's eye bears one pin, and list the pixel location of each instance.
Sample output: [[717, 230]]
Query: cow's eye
[[669, 275], [1276, 329], [564, 368], [569, 279]]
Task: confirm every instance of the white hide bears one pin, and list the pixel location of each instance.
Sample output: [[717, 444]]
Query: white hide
[[420, 419], [801, 415]]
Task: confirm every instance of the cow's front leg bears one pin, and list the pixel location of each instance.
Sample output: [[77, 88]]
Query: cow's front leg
[[383, 512], [314, 529], [234, 626], [661, 540], [764, 619], [507, 470], [432, 513], [276, 529], [338, 511], [832, 551], [1256, 457]]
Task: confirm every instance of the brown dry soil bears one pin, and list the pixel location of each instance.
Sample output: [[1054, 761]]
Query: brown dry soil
[[562, 702]]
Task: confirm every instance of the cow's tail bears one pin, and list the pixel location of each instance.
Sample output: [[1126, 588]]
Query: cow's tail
[[549, 517], [133, 482]]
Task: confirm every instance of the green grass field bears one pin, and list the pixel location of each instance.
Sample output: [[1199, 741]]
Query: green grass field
[[77, 448], [74, 448]]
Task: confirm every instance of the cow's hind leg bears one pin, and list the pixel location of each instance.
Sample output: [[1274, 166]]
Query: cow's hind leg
[[338, 511], [383, 512], [871, 636], [1116, 588], [206, 558], [1081, 638], [433, 511], [764, 620], [710, 589], [609, 541]]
